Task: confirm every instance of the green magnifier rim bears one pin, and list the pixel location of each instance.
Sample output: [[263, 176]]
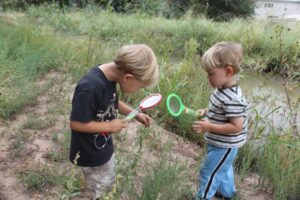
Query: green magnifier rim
[[170, 98]]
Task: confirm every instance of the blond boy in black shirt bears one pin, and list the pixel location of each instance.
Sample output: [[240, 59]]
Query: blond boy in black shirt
[[95, 108]]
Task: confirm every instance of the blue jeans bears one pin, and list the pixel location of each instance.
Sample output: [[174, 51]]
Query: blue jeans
[[216, 173]]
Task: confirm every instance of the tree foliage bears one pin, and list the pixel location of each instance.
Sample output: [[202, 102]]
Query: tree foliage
[[221, 10]]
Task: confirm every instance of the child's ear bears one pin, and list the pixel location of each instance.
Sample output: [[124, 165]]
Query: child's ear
[[127, 76], [229, 70]]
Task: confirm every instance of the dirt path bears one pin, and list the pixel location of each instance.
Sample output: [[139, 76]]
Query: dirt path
[[27, 139], [10, 187], [22, 147]]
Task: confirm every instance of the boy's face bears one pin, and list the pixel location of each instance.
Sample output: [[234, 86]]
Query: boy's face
[[219, 77], [129, 84]]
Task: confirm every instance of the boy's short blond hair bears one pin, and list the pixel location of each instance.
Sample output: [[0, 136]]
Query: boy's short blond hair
[[140, 61], [223, 54]]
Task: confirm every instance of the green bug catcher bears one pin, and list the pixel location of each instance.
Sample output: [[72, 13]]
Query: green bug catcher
[[176, 107]]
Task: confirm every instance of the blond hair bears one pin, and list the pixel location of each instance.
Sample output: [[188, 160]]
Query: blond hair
[[223, 54], [140, 61]]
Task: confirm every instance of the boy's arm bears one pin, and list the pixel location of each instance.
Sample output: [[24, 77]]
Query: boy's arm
[[124, 109], [234, 126], [115, 125]]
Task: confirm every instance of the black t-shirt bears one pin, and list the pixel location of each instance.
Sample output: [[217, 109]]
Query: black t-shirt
[[95, 99]]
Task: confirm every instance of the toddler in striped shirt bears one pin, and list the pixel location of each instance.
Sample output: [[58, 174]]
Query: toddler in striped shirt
[[225, 123]]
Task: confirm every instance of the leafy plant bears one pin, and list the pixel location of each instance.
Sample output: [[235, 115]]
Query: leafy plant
[[227, 9]]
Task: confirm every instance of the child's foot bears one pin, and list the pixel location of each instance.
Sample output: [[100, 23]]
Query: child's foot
[[218, 195], [81, 196]]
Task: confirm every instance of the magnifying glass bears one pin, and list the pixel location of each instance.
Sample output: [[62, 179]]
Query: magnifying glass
[[176, 107], [147, 103]]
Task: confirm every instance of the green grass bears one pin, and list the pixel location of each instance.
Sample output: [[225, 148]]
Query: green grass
[[275, 157], [280, 164], [38, 179], [261, 41], [164, 181], [18, 143], [26, 53], [39, 123]]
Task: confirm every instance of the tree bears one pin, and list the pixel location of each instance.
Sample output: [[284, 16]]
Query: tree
[[224, 10]]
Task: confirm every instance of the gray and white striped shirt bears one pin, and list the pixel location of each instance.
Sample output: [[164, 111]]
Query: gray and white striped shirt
[[225, 104]]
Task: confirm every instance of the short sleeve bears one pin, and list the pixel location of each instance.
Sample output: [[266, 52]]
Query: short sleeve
[[84, 104], [234, 108]]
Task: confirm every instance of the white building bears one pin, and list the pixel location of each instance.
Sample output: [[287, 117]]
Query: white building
[[276, 9]]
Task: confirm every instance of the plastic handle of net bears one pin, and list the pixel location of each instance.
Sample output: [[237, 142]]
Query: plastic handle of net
[[192, 113], [133, 114]]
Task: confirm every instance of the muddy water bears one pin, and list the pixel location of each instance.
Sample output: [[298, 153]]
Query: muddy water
[[267, 97]]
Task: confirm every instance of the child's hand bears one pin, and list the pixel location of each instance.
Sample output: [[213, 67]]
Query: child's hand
[[116, 125], [202, 126], [143, 118], [202, 112]]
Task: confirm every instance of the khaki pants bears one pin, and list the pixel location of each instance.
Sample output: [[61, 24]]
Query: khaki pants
[[99, 180]]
